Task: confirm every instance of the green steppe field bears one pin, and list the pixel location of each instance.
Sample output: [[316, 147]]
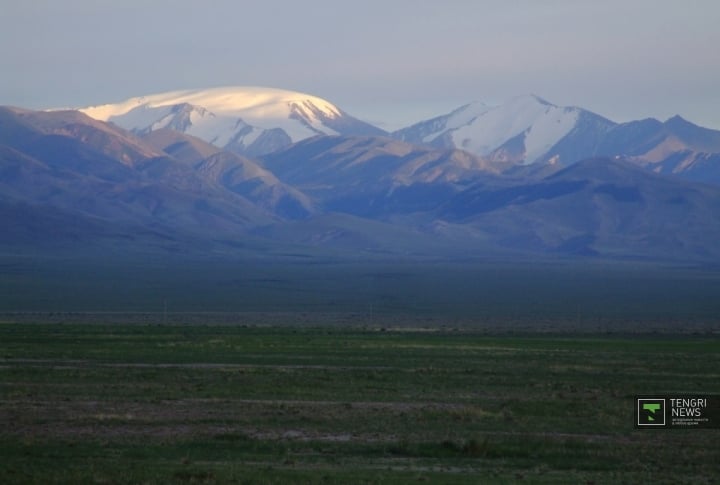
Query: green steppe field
[[307, 371], [161, 402]]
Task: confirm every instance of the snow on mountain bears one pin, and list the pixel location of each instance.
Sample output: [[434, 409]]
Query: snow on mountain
[[526, 130], [246, 120], [530, 124]]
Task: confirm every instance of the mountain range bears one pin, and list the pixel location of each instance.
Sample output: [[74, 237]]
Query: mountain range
[[526, 130], [258, 171], [529, 130], [247, 120]]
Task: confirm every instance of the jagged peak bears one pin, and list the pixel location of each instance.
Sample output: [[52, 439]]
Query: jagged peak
[[678, 120]]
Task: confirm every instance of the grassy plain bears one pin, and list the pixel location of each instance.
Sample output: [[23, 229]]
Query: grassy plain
[[148, 403]]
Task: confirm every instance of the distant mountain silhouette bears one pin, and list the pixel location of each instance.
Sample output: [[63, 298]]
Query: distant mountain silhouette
[[528, 130], [67, 179]]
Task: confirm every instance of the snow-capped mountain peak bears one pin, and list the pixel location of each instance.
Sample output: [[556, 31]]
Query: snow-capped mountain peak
[[522, 129], [248, 120], [253, 102]]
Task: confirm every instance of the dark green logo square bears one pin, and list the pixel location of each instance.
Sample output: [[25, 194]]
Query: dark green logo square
[[650, 412]]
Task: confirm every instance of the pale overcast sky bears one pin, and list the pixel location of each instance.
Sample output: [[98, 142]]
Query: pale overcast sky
[[381, 60]]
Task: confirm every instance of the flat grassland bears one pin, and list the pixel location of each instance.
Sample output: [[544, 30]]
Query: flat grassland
[[92, 403]]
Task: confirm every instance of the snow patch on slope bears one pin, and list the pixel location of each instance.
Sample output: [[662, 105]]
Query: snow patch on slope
[[548, 130], [530, 123], [543, 124], [461, 117]]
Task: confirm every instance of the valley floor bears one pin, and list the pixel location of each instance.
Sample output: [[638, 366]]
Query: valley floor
[[204, 403]]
